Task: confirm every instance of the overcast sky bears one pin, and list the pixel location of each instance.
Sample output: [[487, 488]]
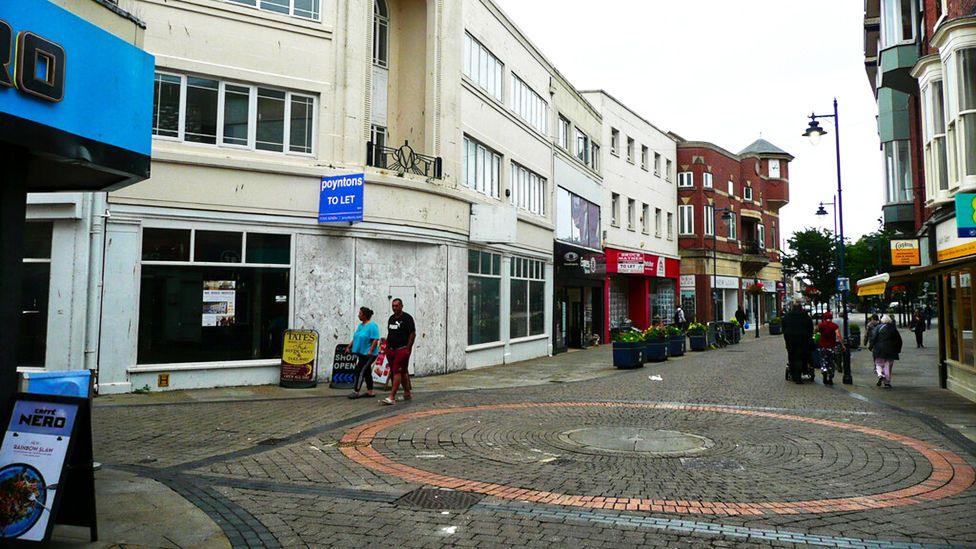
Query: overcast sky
[[727, 71]]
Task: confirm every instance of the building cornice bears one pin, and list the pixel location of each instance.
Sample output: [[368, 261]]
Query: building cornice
[[941, 33], [923, 64], [709, 146], [667, 134]]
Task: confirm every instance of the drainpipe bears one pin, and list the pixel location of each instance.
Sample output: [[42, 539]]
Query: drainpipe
[[98, 214]]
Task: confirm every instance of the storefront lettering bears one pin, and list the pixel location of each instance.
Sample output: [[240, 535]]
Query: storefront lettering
[[39, 67]]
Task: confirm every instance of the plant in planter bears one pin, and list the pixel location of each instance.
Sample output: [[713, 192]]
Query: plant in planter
[[676, 341], [733, 331], [628, 348], [656, 344], [697, 336], [776, 325]]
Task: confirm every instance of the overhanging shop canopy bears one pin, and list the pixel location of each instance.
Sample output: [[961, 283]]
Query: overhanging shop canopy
[[873, 285]]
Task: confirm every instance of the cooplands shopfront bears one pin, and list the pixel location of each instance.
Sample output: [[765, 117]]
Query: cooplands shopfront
[[957, 264]]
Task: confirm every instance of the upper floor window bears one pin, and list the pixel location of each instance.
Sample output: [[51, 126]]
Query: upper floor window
[[482, 67], [708, 219], [614, 141], [747, 194], [961, 119], [762, 237], [381, 34], [308, 9], [631, 213], [686, 179], [595, 157], [731, 188], [667, 170], [615, 209], [898, 171], [686, 219], [898, 22], [529, 190], [482, 168], [657, 222], [733, 229], [774, 168], [213, 112], [657, 164], [936, 163], [645, 219], [528, 105], [582, 147], [707, 180], [630, 150], [670, 226], [562, 138], [645, 152]]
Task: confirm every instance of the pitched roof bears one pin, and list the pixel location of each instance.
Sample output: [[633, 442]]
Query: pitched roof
[[761, 146]]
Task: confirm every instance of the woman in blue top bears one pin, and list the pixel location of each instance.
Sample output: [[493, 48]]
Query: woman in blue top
[[366, 345]]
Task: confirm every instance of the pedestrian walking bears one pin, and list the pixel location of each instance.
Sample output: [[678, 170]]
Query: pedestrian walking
[[869, 329], [929, 313], [798, 332], [740, 317], [885, 347], [829, 341], [399, 344], [679, 318], [917, 325], [366, 346]]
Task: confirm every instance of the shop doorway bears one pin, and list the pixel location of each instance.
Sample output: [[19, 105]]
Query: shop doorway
[[574, 318]]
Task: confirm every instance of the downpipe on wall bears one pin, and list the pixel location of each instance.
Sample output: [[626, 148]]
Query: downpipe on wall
[[98, 214]]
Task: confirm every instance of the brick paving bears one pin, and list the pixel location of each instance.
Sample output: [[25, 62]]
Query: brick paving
[[787, 465]]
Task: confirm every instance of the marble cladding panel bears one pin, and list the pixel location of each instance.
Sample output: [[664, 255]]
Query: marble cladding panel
[[457, 312]]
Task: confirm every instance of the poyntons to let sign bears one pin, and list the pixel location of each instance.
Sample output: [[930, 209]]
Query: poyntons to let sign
[[906, 253], [341, 198]]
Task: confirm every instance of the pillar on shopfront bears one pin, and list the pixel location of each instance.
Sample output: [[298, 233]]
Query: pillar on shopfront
[[639, 301]]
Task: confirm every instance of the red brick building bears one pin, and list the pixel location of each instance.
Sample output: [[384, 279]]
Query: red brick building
[[733, 201]]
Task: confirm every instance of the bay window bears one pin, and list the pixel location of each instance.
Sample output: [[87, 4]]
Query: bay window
[[484, 297], [898, 22], [966, 81], [213, 112], [528, 297], [898, 171], [935, 148]]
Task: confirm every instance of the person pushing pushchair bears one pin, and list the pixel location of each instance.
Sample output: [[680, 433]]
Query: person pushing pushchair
[[798, 334]]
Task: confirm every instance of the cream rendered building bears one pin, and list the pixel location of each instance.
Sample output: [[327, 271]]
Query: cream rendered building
[[256, 101]]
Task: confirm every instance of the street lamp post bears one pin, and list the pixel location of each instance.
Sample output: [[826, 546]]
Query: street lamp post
[[726, 216], [815, 132], [821, 211]]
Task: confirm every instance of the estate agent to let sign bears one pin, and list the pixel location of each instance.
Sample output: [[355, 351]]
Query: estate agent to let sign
[[906, 252], [299, 351], [341, 198]]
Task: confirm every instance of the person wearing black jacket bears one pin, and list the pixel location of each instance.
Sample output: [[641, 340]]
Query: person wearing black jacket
[[885, 347], [740, 316], [798, 333]]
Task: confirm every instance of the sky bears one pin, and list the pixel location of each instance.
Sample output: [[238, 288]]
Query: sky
[[729, 72]]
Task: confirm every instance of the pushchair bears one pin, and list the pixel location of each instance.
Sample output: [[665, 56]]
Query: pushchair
[[807, 371]]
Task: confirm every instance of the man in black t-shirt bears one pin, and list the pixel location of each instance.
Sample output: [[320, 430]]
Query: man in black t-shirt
[[399, 344]]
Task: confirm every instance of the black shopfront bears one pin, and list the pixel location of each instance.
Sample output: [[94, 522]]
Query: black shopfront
[[578, 302]]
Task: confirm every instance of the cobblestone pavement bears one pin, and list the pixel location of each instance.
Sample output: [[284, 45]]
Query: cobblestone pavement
[[720, 452]]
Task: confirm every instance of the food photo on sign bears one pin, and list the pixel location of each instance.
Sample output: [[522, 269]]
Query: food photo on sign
[[219, 303]]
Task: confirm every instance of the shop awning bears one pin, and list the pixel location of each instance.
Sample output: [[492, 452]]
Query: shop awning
[[873, 285]]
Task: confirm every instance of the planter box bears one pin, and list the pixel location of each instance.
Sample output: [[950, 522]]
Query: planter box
[[676, 345], [729, 330], [775, 329], [628, 355], [698, 342], [736, 334], [656, 351]]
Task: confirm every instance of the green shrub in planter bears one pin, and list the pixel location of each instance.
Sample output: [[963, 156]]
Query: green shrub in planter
[[698, 336], [676, 341], [628, 349], [776, 325], [656, 344]]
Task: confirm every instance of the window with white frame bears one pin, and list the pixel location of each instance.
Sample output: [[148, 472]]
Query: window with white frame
[[707, 180], [657, 222], [306, 9], [630, 149], [482, 168], [898, 22], [774, 166], [898, 171], [615, 141], [747, 194], [731, 188], [377, 135], [528, 105], [667, 170], [645, 161], [482, 67], [773, 242], [686, 219], [933, 101], [228, 114], [528, 298], [708, 219], [762, 237], [562, 138], [484, 297], [529, 189], [733, 228], [657, 164], [686, 179], [646, 219], [615, 209], [631, 214], [595, 157], [381, 34], [963, 111], [582, 147], [670, 226]]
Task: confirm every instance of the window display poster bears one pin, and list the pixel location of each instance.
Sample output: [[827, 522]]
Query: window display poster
[[31, 462], [219, 298]]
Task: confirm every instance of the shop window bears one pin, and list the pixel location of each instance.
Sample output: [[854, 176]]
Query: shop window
[[662, 301], [35, 290], [527, 298], [484, 297], [619, 302], [199, 311], [577, 220], [688, 304], [959, 313]]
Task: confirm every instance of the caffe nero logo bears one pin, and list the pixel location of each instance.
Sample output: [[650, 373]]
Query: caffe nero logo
[[35, 67]]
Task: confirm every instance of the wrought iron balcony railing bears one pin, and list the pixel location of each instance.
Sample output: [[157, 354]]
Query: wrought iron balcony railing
[[404, 160], [753, 248]]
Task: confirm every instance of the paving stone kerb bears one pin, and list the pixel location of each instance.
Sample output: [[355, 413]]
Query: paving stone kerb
[[950, 474]]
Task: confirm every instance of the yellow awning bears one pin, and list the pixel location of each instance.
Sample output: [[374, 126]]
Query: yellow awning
[[873, 285]]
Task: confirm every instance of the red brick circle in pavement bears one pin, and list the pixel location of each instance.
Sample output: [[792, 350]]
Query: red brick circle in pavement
[[950, 474]]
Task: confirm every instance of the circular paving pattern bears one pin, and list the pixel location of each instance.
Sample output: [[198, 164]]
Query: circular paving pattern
[[659, 457]]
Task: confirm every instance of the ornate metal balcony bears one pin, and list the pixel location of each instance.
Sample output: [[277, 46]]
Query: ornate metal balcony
[[754, 256], [404, 160]]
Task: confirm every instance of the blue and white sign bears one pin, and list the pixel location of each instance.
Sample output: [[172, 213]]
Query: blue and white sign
[[966, 215], [843, 284], [341, 198]]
